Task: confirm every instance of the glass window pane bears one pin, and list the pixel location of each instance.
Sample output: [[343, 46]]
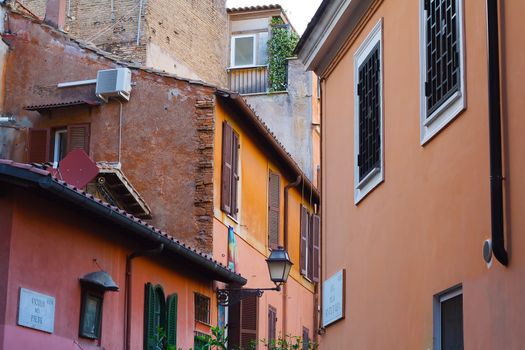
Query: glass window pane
[[244, 51], [91, 316]]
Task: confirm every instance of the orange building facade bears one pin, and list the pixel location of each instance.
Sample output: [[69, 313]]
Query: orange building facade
[[408, 154]]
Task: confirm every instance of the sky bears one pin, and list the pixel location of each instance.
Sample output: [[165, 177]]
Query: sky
[[298, 11]]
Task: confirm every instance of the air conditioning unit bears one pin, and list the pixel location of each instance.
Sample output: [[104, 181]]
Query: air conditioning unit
[[113, 83]]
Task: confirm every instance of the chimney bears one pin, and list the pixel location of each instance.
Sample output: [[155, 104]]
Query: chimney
[[56, 13]]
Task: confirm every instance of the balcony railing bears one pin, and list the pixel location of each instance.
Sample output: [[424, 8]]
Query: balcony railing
[[249, 80]]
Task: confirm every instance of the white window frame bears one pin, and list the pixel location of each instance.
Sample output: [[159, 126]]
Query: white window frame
[[438, 300], [377, 175], [456, 103], [56, 146], [254, 48]]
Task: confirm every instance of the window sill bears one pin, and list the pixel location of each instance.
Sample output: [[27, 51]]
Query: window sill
[[365, 186], [249, 66]]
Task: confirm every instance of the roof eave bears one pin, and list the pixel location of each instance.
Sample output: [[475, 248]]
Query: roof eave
[[328, 31]]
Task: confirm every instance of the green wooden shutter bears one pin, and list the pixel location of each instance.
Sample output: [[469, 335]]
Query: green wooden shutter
[[172, 320], [149, 317]]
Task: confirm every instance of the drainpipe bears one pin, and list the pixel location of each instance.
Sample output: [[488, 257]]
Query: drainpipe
[[285, 234], [496, 178], [129, 258]]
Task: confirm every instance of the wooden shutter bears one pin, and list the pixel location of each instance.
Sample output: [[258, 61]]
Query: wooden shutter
[[234, 326], [304, 240], [310, 263], [78, 137], [149, 317], [235, 173], [38, 145], [248, 332], [171, 331], [272, 326], [316, 233], [306, 338], [227, 173], [273, 210]]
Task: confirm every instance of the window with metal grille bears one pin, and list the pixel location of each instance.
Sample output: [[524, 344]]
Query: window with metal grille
[[442, 52], [368, 90], [202, 308], [442, 62], [368, 114], [448, 320]]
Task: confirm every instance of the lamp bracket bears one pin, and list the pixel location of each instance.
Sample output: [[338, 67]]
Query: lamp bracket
[[232, 296]]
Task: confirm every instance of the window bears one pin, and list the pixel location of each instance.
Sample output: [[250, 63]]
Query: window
[[53, 144], [160, 318], [91, 314], [306, 339], [202, 308], [230, 174], [274, 188], [242, 323], [272, 326], [368, 120], [243, 50], [442, 80], [448, 320], [310, 245], [200, 341]]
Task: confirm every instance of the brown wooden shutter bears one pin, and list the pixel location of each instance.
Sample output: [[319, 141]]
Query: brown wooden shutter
[[316, 233], [249, 321], [38, 145], [310, 263], [227, 173], [78, 137], [235, 173], [273, 210], [304, 239], [272, 326], [234, 326]]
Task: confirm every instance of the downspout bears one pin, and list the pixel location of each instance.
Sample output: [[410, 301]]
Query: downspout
[[127, 318], [285, 239], [496, 177]]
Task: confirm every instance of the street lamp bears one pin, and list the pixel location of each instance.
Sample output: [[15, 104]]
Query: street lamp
[[279, 265]]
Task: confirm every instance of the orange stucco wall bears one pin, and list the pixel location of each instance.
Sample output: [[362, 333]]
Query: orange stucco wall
[[52, 246], [421, 230], [251, 229]]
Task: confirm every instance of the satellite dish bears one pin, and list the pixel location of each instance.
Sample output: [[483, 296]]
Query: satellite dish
[[77, 169]]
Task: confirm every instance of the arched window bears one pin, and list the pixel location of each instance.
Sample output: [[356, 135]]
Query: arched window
[[160, 318]]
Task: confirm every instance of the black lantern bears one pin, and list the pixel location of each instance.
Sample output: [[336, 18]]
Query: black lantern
[[279, 265]]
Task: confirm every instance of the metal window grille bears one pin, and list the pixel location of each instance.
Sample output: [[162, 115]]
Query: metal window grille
[[202, 308], [368, 90], [442, 52]]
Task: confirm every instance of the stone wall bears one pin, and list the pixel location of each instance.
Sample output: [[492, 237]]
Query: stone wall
[[289, 115]]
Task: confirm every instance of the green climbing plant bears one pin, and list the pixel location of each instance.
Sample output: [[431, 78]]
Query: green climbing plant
[[280, 48]]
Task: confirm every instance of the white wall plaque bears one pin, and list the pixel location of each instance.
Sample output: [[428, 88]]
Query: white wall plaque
[[36, 310], [334, 298]]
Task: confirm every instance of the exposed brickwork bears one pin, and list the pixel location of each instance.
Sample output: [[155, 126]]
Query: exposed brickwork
[[194, 32], [192, 35], [167, 125], [37, 7], [203, 206]]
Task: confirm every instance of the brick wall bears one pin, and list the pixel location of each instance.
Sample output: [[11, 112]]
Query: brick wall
[[185, 37], [194, 32]]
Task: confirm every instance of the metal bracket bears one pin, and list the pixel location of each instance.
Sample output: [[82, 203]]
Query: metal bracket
[[232, 296]]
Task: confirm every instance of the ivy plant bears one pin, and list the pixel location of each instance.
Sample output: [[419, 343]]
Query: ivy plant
[[280, 48]]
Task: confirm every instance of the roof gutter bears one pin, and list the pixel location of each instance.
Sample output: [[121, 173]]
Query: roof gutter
[[221, 273], [21, 177], [496, 177]]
